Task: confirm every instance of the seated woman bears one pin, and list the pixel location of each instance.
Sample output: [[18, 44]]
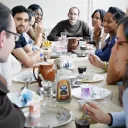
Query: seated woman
[[97, 23], [95, 60], [38, 21], [38, 37], [110, 26]]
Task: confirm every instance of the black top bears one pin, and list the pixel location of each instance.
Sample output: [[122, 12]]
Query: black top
[[80, 29], [10, 115], [21, 42]]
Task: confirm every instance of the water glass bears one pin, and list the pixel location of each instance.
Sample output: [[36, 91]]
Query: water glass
[[105, 97], [63, 35]]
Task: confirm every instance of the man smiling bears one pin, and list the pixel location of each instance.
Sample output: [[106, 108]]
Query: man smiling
[[72, 26]]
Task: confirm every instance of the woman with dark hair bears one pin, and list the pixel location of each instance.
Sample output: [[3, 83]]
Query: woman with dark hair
[[110, 26], [95, 60], [121, 49], [97, 23], [38, 21]]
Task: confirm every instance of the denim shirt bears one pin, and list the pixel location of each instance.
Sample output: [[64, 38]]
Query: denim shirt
[[105, 52]]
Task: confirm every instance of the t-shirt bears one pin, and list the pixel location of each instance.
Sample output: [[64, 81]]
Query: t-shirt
[[20, 43]]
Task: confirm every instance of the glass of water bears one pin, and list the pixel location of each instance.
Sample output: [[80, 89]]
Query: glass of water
[[105, 97]]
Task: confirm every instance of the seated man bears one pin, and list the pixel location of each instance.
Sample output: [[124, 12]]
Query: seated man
[[72, 26], [22, 51], [10, 115]]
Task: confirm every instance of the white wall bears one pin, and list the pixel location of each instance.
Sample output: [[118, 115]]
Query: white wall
[[56, 10], [105, 4]]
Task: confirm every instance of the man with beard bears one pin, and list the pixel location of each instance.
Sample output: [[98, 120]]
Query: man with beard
[[10, 115], [72, 26], [22, 51]]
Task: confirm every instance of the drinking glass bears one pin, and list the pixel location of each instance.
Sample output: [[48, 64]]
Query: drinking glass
[[63, 36], [82, 69], [82, 123], [105, 97]]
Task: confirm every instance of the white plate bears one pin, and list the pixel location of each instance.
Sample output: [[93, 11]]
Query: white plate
[[15, 98], [53, 116], [96, 78], [23, 76], [76, 92]]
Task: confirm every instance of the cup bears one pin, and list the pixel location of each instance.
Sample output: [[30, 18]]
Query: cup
[[105, 98], [34, 109], [63, 36], [82, 69], [82, 123], [85, 91]]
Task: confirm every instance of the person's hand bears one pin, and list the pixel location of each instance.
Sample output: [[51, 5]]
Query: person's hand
[[96, 113], [97, 32], [39, 28], [95, 61]]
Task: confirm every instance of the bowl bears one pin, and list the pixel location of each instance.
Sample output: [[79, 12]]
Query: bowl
[[81, 54]]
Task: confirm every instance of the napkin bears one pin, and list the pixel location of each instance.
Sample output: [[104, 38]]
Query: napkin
[[26, 97]]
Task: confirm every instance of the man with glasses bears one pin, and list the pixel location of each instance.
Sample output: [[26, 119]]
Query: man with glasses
[[23, 52], [72, 26], [10, 115]]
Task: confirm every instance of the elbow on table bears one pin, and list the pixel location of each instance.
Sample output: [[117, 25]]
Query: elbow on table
[[110, 81], [28, 65]]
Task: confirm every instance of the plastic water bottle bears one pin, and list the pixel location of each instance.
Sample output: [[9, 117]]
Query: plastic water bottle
[[54, 51], [41, 55]]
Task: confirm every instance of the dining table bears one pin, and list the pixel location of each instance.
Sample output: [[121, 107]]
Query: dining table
[[112, 106]]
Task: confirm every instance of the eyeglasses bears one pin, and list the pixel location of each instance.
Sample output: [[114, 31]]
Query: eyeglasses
[[17, 36], [119, 42]]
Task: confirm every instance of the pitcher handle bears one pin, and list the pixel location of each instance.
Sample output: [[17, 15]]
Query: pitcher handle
[[36, 66]]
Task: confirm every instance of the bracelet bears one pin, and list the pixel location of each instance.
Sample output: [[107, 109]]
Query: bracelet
[[111, 119], [105, 66]]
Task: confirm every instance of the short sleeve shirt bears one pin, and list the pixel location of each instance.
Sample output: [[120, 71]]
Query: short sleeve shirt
[[21, 42]]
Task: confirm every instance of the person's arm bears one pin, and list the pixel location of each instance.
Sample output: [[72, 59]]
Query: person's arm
[[26, 60], [117, 119], [116, 68], [97, 114], [40, 36], [15, 65], [125, 104], [111, 119], [55, 33]]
